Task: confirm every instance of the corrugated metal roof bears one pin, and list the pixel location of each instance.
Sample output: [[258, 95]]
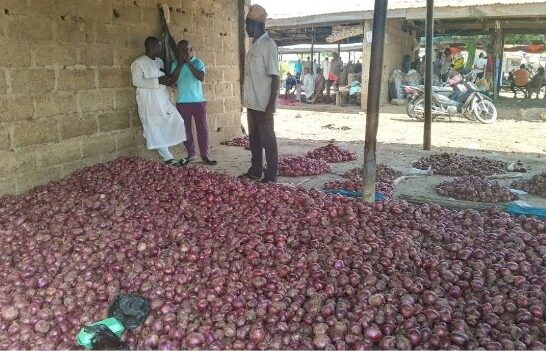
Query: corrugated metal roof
[[285, 9]]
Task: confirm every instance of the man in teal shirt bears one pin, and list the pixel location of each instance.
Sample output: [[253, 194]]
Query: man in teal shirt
[[191, 101]]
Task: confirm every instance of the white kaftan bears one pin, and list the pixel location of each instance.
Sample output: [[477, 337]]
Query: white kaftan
[[163, 125]]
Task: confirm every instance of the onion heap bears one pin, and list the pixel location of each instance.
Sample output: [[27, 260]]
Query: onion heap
[[356, 184], [241, 141], [452, 164], [383, 173], [235, 264], [473, 188], [295, 166], [536, 185], [332, 153]]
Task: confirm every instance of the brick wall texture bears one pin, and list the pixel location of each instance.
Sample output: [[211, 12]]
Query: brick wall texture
[[397, 44], [66, 99]]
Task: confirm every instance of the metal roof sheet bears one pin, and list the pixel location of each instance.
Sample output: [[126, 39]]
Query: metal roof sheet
[[286, 9]]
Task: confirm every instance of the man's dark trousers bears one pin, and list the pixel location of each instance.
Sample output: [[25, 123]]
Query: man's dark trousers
[[262, 136]]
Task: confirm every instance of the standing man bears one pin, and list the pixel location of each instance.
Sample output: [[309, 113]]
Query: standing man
[[191, 100], [336, 66], [479, 65], [163, 126], [308, 86], [260, 93], [298, 68]]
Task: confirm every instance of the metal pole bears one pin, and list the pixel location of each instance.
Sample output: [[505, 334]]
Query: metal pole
[[374, 96], [428, 76], [312, 50]]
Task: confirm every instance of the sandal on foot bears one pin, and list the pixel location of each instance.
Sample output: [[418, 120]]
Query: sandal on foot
[[209, 162], [182, 162], [171, 162]]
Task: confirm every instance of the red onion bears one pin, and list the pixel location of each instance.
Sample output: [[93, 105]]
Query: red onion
[[233, 264], [296, 166], [461, 165], [332, 154]]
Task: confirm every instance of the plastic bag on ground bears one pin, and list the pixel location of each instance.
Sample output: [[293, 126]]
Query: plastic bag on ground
[[130, 309], [105, 339]]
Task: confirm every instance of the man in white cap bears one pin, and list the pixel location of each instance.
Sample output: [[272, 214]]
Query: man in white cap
[[260, 93]]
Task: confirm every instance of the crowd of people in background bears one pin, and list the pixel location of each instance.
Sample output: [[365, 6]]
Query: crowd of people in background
[[314, 82]]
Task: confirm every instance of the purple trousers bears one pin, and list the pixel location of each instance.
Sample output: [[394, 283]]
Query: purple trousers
[[197, 110]]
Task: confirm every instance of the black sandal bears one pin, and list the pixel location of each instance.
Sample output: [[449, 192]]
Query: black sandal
[[182, 162], [171, 162], [209, 162]]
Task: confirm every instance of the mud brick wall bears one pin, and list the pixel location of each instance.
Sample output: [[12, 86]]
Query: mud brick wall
[[66, 99], [398, 43]]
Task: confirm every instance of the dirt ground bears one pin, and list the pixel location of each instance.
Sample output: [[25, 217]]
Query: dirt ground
[[399, 142]]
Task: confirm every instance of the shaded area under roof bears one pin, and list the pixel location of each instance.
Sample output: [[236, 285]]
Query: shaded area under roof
[[305, 48]]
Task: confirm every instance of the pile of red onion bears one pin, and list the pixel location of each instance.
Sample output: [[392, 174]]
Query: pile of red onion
[[235, 264], [536, 185], [452, 164], [295, 166], [242, 141], [383, 173], [356, 184], [288, 102], [332, 153], [473, 188]]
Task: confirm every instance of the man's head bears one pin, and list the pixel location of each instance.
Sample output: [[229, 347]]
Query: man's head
[[185, 49], [326, 59], [308, 58], [255, 21], [299, 61], [288, 74], [306, 70], [481, 55], [522, 66], [319, 71], [447, 52], [152, 46]]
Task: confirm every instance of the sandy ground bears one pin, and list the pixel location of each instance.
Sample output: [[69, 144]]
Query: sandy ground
[[399, 142]]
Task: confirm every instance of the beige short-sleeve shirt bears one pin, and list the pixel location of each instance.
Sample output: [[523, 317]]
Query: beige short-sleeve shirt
[[261, 64]]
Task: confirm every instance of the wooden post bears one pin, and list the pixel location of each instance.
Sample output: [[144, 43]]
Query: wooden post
[[374, 96], [428, 76], [312, 50], [338, 48], [365, 63]]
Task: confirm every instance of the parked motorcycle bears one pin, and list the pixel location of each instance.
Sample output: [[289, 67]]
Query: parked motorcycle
[[463, 99]]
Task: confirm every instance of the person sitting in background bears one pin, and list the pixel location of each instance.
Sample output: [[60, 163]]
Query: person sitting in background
[[406, 64], [536, 83], [447, 60], [458, 62], [289, 84], [308, 86], [454, 77], [521, 79], [320, 83]]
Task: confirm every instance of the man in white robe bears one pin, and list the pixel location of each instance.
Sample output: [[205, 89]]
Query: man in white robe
[[163, 125]]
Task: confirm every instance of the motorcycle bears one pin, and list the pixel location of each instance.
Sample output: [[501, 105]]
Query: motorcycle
[[465, 99]]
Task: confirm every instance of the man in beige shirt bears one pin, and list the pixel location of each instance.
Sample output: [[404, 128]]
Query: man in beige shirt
[[259, 96]]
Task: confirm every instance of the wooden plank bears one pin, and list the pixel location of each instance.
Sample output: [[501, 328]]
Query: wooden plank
[[503, 11], [339, 33]]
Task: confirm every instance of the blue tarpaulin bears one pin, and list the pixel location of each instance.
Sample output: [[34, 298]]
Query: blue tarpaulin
[[521, 209], [357, 194]]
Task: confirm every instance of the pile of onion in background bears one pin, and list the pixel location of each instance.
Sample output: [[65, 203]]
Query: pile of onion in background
[[536, 185], [451, 164], [474, 188], [231, 264]]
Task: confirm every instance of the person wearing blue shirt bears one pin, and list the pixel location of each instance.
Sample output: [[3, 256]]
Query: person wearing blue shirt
[[191, 101], [298, 68], [290, 84]]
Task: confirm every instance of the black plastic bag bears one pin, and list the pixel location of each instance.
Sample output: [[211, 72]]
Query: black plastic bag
[[105, 339], [130, 309]]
